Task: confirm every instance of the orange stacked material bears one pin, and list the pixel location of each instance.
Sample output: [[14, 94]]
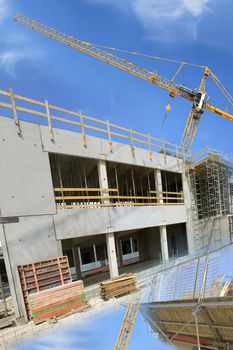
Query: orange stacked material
[[43, 275], [57, 301], [118, 286]]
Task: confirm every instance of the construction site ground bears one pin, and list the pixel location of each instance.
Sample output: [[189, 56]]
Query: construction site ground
[[22, 332]]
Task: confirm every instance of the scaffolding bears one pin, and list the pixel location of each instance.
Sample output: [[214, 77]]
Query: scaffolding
[[192, 303], [210, 175]]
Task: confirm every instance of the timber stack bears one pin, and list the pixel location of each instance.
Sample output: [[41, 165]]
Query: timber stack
[[57, 301], [118, 286]]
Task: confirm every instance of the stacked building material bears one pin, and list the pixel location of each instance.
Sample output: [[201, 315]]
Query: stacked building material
[[43, 275], [118, 286], [57, 301], [230, 289]]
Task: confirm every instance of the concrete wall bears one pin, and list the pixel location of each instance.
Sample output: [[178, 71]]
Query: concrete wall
[[26, 191], [32, 239], [25, 181], [85, 222], [70, 143]]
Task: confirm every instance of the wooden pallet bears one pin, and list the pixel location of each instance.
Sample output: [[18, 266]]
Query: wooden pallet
[[43, 275], [118, 286], [58, 301]]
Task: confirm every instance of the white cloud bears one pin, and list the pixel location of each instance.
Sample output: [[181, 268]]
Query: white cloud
[[8, 61], [4, 10], [15, 44], [10, 58], [167, 20], [167, 10], [60, 341]]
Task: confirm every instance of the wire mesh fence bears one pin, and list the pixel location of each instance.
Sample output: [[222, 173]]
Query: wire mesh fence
[[206, 276]]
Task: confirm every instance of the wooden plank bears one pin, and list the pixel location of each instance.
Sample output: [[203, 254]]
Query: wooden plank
[[78, 189], [118, 286], [160, 144], [114, 197], [120, 204], [57, 301], [39, 275]]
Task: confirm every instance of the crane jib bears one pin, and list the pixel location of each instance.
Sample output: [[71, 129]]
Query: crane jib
[[199, 97]]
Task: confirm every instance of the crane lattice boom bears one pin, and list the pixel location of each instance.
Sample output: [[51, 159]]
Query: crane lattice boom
[[128, 322], [173, 87]]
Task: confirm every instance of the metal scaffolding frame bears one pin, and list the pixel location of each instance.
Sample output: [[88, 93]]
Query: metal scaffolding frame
[[210, 175]]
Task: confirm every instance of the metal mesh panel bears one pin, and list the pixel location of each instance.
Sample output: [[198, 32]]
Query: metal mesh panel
[[186, 280]]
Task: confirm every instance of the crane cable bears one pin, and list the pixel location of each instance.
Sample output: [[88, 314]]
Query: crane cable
[[149, 56], [221, 87], [181, 63]]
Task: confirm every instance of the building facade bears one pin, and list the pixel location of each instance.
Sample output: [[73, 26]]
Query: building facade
[[104, 207], [106, 196]]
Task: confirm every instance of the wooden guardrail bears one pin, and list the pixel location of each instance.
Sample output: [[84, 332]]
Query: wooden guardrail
[[47, 114], [105, 199]]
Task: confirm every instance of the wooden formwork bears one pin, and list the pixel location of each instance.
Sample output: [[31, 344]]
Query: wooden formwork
[[57, 301], [42, 275]]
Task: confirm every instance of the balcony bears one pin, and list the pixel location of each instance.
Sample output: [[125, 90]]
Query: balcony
[[67, 198]]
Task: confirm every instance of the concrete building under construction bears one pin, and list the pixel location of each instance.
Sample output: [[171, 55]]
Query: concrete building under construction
[[105, 196]]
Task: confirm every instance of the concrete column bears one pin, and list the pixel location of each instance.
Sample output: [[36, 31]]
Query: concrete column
[[119, 251], [163, 241], [95, 255], [76, 261], [188, 206], [112, 257], [103, 179], [158, 184], [7, 261]]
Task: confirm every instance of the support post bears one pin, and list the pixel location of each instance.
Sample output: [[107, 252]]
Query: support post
[[119, 252], [109, 136], [112, 257], [188, 206], [103, 180], [158, 185], [14, 109], [49, 120], [131, 141], [83, 130], [76, 261], [149, 145], [94, 250], [163, 241], [9, 271]]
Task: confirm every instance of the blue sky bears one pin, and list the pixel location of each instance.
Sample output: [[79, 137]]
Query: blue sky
[[198, 31], [99, 333]]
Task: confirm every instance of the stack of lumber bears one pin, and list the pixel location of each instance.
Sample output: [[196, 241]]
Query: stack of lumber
[[57, 301], [230, 289], [118, 286], [43, 275]]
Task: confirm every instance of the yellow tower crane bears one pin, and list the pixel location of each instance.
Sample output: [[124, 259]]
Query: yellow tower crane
[[128, 321], [198, 98]]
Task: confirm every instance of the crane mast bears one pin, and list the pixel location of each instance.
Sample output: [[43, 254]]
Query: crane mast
[[195, 114], [128, 322], [198, 99]]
